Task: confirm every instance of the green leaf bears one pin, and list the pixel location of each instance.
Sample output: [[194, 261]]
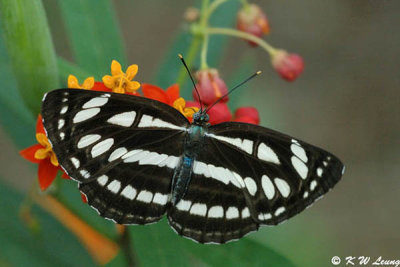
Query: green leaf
[[158, 245], [15, 117], [28, 41], [49, 245], [94, 34]]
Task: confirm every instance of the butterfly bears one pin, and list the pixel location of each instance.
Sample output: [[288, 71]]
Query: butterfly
[[137, 159]]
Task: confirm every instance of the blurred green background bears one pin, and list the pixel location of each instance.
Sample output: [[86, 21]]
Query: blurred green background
[[346, 101]]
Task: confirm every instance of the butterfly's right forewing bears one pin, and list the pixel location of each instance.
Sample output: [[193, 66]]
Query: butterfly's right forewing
[[121, 149]]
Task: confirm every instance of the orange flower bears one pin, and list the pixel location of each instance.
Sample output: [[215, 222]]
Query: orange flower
[[87, 84], [154, 92], [43, 154], [169, 97], [120, 82]]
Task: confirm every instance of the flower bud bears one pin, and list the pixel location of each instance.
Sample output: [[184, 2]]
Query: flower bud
[[247, 115], [252, 19], [289, 66], [210, 86]]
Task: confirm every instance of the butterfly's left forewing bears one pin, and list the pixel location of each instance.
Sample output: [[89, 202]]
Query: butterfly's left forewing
[[121, 149], [247, 176]]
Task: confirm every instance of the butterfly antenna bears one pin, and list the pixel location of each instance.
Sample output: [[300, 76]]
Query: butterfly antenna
[[233, 89], [191, 78]]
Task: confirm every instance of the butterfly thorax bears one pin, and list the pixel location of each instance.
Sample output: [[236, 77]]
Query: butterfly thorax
[[193, 144]]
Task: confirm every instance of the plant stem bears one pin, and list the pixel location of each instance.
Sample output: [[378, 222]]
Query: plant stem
[[204, 48], [213, 6], [189, 58], [231, 32], [127, 249]]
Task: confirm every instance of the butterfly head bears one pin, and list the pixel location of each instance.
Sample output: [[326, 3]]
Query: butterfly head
[[200, 118]]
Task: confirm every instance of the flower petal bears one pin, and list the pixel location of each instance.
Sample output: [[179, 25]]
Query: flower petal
[[29, 153], [173, 92], [131, 71], [155, 92], [88, 83], [116, 68], [73, 82], [47, 172], [39, 125], [108, 81], [132, 86]]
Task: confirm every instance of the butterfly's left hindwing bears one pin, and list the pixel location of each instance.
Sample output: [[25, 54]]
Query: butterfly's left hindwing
[[247, 176], [121, 149]]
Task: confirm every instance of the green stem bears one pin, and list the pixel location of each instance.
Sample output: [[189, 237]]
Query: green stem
[[203, 55], [245, 5], [190, 56], [244, 35], [127, 249], [213, 6]]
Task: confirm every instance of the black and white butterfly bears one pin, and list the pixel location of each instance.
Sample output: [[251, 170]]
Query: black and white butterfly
[[137, 159]]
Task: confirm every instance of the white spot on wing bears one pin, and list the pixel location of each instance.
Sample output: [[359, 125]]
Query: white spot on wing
[[160, 199], [102, 147], [114, 186], [87, 140], [62, 135], [232, 213], [95, 102], [243, 144], [313, 184], [300, 167], [305, 195], [264, 152], [268, 187], [282, 186], [85, 114], [61, 123], [85, 174], [184, 205], [129, 192], [125, 119], [145, 196], [279, 211], [64, 109], [245, 213], [216, 212], [198, 209], [102, 180], [149, 121], [75, 162], [319, 171], [299, 152], [250, 185], [117, 153]]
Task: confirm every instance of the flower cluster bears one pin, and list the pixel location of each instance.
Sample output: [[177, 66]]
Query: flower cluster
[[211, 88]]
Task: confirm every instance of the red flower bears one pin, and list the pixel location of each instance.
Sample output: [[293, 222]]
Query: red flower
[[154, 92], [252, 19], [247, 114], [289, 66], [210, 86], [43, 155], [219, 113]]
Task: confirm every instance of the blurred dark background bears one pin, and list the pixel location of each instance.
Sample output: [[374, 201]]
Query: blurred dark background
[[346, 101]]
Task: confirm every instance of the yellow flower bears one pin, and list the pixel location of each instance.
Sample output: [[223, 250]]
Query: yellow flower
[[87, 84], [120, 82], [180, 105], [46, 151]]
